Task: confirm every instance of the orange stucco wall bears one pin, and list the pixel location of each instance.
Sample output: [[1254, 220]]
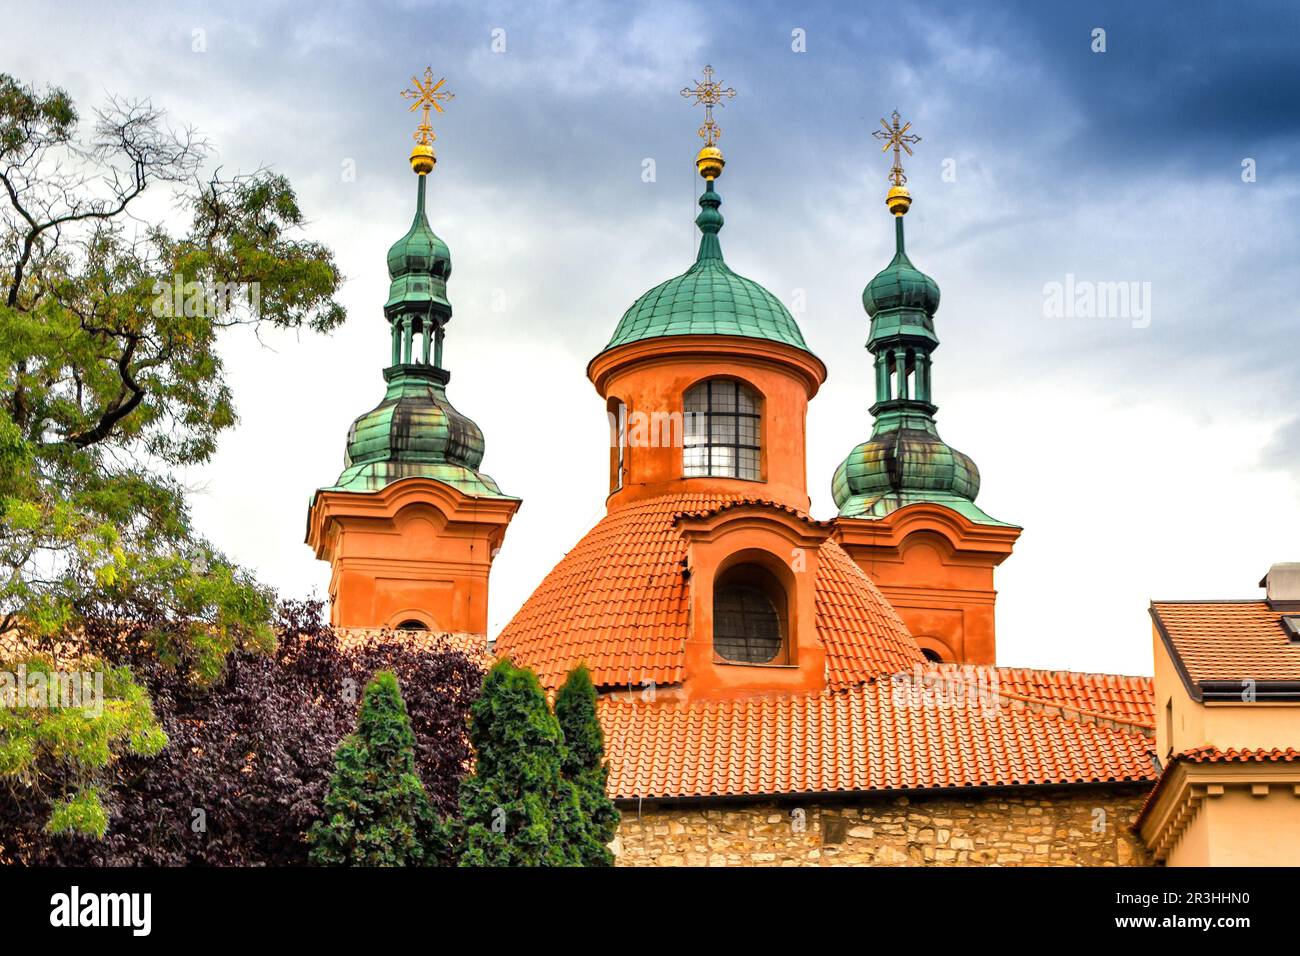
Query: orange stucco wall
[[417, 550], [651, 378], [936, 569]]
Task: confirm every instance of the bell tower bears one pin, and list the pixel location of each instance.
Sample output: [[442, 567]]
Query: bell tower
[[907, 499], [411, 526]]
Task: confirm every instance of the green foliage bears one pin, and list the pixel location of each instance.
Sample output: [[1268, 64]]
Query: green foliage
[[583, 765], [516, 808], [113, 383], [52, 729], [377, 812]]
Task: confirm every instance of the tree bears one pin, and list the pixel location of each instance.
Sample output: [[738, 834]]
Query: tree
[[583, 765], [250, 756], [514, 807], [109, 325], [376, 811]]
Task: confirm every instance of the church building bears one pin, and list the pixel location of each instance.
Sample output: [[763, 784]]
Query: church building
[[777, 688]]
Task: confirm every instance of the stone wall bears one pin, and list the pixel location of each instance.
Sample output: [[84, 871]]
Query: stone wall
[[1080, 826]]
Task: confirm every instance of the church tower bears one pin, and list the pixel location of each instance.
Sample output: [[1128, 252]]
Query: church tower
[[411, 526], [906, 499]]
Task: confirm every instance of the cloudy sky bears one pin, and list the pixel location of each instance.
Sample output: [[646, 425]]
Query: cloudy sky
[[1150, 455]]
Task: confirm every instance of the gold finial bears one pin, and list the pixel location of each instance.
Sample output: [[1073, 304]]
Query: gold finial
[[897, 138], [427, 94], [709, 92]]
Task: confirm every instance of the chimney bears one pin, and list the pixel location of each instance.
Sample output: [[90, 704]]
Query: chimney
[[1282, 586]]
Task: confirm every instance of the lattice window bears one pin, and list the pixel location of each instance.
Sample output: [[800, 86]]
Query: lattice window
[[722, 431], [746, 625]]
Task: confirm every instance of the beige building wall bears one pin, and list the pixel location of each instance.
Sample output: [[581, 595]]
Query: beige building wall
[[1239, 828], [1222, 813]]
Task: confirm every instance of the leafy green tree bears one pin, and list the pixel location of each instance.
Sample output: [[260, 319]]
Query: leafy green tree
[[46, 721], [377, 812], [516, 807], [583, 765], [113, 384]]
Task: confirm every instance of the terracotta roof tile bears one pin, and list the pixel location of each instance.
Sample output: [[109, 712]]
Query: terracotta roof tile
[[1210, 754], [1232, 755], [1229, 640], [863, 634], [618, 602], [1127, 699], [860, 739]]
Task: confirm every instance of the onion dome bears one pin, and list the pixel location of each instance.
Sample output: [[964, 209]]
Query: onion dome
[[415, 431], [419, 265], [708, 298], [900, 285], [904, 461]]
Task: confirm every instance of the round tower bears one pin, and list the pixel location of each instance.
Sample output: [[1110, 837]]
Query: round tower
[[707, 379]]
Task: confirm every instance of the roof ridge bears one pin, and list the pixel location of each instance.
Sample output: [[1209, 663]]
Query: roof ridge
[[746, 500], [1155, 601], [1212, 754], [1054, 708], [1073, 673]]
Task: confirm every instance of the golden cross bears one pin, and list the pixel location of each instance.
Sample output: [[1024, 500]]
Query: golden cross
[[426, 95], [710, 93], [897, 139]]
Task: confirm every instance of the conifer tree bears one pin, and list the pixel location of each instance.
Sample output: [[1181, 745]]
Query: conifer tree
[[516, 808], [377, 812], [583, 765]]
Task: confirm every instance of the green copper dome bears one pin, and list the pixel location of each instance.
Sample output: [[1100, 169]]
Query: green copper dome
[[903, 462], [419, 265], [901, 285], [415, 432], [708, 299]]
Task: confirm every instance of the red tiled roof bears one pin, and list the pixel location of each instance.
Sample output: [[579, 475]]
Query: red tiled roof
[[1232, 755], [860, 739], [1127, 699], [618, 602], [1228, 640], [1210, 754], [863, 634]]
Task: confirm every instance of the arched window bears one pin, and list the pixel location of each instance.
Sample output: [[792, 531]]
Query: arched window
[[412, 625], [748, 616], [617, 442], [721, 431], [932, 656]]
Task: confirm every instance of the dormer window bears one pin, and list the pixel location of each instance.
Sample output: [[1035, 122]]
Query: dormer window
[[722, 429], [749, 611], [1291, 625]]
